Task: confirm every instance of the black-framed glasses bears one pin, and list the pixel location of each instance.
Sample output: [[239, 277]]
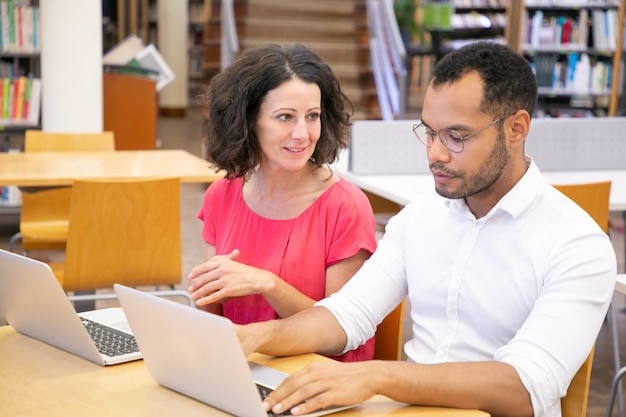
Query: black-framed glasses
[[451, 139]]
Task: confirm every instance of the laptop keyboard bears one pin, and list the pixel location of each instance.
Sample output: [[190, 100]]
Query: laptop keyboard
[[110, 342], [264, 392]]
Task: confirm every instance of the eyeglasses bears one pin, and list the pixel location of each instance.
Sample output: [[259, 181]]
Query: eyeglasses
[[451, 139]]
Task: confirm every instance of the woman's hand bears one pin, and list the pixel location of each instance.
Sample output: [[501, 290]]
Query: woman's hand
[[222, 277]]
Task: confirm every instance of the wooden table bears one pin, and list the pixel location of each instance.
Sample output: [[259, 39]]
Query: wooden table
[[38, 379], [62, 168]]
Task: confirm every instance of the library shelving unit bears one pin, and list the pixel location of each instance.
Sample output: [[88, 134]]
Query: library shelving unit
[[20, 85], [198, 18], [454, 23], [576, 50], [140, 17]]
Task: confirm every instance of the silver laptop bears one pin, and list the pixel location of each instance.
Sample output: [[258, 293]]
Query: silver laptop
[[198, 354], [34, 304]]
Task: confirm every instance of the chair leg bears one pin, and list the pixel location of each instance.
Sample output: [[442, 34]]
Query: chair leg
[[17, 236], [616, 387]]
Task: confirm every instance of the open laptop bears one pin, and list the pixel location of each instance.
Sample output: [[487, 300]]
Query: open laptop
[[34, 304], [198, 354]]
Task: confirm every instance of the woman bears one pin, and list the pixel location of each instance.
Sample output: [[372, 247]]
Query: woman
[[282, 230]]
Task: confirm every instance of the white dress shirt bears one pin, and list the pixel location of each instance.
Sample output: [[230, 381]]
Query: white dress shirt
[[528, 284]]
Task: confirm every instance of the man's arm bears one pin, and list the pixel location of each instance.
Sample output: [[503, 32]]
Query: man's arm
[[312, 330], [492, 386]]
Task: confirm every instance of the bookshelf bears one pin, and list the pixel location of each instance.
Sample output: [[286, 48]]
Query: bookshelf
[[20, 83], [576, 50], [140, 17], [453, 23], [198, 18], [20, 89]]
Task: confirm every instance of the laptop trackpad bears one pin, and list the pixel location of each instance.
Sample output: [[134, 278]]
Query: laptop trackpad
[[266, 376]]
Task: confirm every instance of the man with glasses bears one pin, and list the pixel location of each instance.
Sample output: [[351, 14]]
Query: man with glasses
[[508, 280]]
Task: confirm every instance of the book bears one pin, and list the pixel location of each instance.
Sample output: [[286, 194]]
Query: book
[[4, 16], [34, 102], [13, 98], [11, 24], [6, 97], [19, 35], [29, 83], [19, 97]]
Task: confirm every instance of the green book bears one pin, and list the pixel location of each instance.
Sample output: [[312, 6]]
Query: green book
[[6, 97]]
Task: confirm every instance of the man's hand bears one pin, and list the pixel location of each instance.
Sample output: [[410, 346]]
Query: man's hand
[[320, 385]]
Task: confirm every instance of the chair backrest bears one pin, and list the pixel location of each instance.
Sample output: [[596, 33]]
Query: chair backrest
[[40, 141], [574, 404], [43, 211], [126, 232], [593, 198], [389, 335]]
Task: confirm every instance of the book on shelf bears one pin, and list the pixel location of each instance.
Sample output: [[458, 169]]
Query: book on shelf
[[571, 31], [19, 27], [10, 196], [576, 74], [21, 101]]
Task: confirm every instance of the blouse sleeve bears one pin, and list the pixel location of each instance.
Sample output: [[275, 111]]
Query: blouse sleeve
[[354, 226], [210, 209]]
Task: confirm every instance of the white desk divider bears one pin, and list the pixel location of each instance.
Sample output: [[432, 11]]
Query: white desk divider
[[561, 144], [386, 147], [565, 144]]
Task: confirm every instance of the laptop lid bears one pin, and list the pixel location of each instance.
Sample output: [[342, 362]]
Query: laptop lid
[[35, 305], [197, 354]]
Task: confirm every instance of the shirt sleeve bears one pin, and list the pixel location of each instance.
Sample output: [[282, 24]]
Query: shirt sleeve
[[375, 290]]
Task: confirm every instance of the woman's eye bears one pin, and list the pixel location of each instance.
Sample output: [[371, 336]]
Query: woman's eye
[[314, 116], [284, 117]]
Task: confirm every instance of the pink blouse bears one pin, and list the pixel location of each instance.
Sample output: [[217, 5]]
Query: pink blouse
[[298, 250]]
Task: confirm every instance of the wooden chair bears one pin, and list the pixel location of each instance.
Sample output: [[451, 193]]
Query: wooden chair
[[44, 213], [591, 197], [389, 335], [594, 199], [574, 404], [125, 231]]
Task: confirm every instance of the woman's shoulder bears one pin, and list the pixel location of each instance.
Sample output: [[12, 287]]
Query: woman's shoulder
[[223, 188], [345, 192]]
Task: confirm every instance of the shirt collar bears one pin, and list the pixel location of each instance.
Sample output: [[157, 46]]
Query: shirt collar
[[515, 202]]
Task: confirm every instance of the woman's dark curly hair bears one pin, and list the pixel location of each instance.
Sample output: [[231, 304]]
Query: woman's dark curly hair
[[234, 97], [509, 81]]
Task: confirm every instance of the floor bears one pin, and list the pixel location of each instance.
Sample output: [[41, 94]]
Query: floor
[[186, 133]]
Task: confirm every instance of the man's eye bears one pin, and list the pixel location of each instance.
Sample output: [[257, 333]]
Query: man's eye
[[451, 136]]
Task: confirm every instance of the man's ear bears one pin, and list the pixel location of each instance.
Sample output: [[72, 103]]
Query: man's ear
[[519, 125]]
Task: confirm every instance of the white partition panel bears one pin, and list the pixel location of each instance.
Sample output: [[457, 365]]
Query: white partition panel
[[578, 144], [390, 147], [386, 147]]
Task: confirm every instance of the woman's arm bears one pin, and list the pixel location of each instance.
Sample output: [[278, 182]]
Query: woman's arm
[[221, 277]]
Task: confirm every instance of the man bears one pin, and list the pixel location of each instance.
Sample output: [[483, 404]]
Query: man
[[508, 280]]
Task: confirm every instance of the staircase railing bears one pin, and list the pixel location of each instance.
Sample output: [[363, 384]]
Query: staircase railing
[[229, 46], [388, 58]]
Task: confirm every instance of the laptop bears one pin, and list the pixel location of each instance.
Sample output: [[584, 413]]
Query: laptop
[[198, 354], [34, 304]]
